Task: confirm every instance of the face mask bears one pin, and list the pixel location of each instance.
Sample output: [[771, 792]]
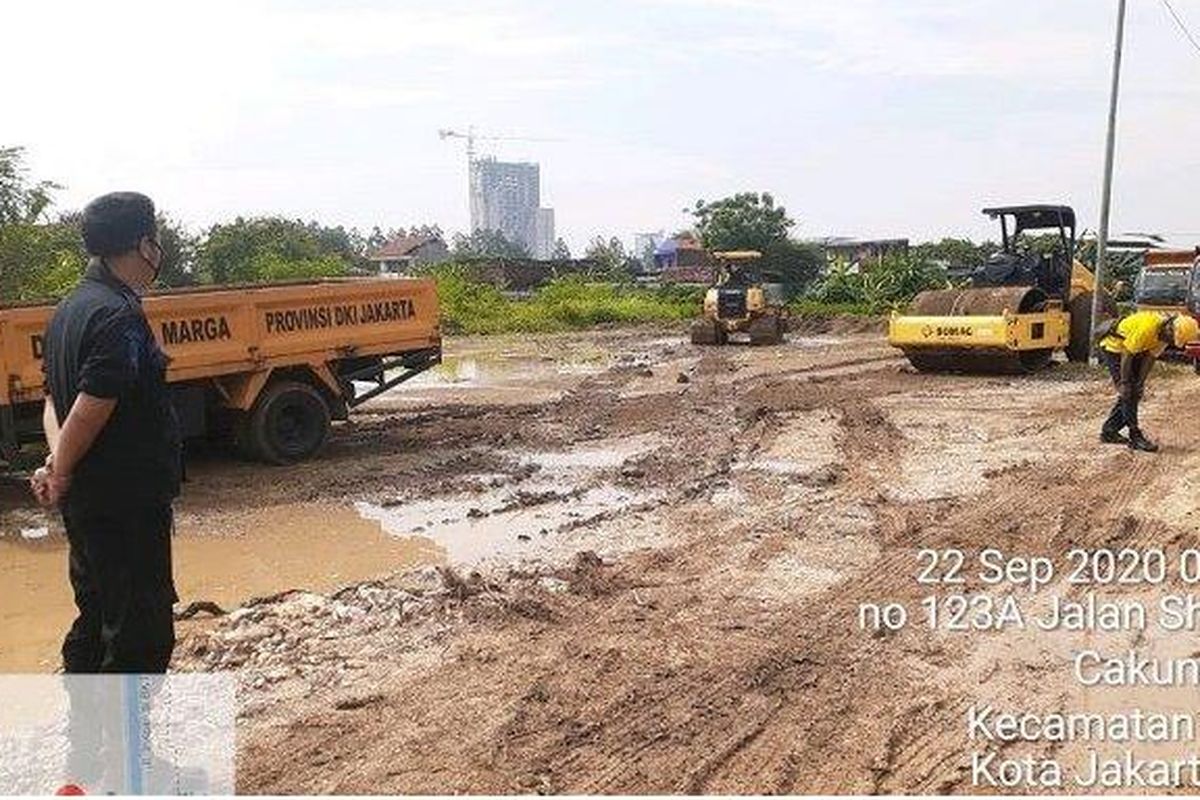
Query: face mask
[[156, 270]]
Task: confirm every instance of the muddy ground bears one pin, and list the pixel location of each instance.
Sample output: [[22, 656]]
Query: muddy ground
[[614, 562]]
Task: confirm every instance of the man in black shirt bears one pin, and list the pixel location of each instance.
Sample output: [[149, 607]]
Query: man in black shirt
[[114, 464]]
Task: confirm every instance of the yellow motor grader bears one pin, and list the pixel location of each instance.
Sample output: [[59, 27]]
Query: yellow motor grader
[[742, 301], [1020, 308]]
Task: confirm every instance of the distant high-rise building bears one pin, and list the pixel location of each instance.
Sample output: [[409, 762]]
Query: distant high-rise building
[[505, 197], [545, 234]]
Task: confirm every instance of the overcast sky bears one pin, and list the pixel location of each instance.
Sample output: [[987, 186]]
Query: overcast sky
[[863, 117]]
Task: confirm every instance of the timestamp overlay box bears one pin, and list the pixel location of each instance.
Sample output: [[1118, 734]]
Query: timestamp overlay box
[[1106, 639], [117, 734]]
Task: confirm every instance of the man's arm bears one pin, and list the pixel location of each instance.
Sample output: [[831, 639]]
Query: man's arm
[[108, 371], [68, 444], [83, 424], [50, 424]]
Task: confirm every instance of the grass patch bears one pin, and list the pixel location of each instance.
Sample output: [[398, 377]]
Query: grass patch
[[569, 303], [575, 302]]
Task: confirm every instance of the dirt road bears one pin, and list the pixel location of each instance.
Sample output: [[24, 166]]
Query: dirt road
[[618, 563]]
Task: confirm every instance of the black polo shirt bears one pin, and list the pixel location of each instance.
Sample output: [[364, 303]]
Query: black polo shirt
[[99, 342]]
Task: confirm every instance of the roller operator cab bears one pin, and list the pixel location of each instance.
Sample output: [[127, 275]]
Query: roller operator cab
[[1022, 305], [743, 300]]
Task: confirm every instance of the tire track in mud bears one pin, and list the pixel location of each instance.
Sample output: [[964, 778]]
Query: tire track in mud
[[643, 711], [748, 728], [927, 757], [665, 685], [925, 753]]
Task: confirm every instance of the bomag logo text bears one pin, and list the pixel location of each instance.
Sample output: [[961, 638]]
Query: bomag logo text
[[200, 329], [952, 330]]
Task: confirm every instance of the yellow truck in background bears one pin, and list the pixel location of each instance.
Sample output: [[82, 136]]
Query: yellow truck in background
[[268, 365], [1166, 281]]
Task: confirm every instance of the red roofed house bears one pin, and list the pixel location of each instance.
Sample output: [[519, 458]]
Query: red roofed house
[[400, 254]]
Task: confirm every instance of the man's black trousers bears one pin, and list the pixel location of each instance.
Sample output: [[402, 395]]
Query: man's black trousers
[[120, 567], [1125, 411]]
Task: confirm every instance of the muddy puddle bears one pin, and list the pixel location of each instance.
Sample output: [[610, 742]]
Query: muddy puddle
[[497, 374], [524, 519], [499, 368], [500, 524], [228, 561], [229, 557]]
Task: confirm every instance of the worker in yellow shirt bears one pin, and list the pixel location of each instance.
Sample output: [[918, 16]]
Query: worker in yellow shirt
[[1130, 348]]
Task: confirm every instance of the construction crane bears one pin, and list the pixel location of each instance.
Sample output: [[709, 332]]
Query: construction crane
[[471, 136]]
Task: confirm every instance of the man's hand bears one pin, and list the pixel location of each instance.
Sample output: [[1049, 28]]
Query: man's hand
[[39, 482], [57, 487], [49, 487]]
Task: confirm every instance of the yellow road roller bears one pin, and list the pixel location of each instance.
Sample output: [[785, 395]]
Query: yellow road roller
[[1021, 306]]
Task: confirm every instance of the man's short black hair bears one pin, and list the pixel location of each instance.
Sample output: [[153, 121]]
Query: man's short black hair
[[114, 223]]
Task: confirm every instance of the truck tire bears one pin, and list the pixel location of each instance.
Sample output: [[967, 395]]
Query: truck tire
[[1079, 346], [289, 422]]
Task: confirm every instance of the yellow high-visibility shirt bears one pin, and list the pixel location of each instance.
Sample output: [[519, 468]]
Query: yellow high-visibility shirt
[[1138, 334]]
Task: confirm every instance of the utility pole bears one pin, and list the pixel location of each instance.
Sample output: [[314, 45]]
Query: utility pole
[[1106, 191]]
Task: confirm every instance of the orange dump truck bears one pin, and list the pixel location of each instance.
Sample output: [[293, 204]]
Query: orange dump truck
[[267, 365]]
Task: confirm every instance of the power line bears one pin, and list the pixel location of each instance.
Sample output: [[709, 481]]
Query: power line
[[1179, 23]]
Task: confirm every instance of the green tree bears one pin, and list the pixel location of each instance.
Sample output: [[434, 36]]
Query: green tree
[[1119, 265], [879, 285], [21, 200], [797, 264], [377, 238], [485, 243], [611, 260], [271, 248], [428, 231], [752, 221], [179, 253], [956, 253], [38, 258], [348, 244], [561, 252], [747, 220]]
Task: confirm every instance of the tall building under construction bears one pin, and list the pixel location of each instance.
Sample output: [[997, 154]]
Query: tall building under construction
[[506, 197]]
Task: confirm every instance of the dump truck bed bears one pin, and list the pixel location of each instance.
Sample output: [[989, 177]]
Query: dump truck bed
[[223, 330], [229, 341]]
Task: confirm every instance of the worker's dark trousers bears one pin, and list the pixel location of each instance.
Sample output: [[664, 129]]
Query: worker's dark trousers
[[1124, 412], [120, 567]]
